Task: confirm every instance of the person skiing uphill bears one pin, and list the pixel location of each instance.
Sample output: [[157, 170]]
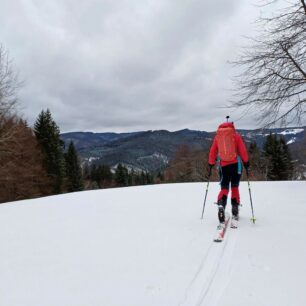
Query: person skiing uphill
[[230, 151]]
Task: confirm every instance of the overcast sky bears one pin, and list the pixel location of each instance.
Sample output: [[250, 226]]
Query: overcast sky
[[127, 65]]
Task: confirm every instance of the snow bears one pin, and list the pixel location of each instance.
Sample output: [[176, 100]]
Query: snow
[[129, 167], [156, 155], [147, 246], [291, 131], [292, 140], [92, 159], [285, 132]]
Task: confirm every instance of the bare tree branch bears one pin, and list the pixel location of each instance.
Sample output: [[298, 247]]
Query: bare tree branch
[[285, 49], [304, 5], [273, 77], [8, 88]]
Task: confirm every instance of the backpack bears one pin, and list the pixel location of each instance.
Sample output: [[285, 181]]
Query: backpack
[[226, 140]]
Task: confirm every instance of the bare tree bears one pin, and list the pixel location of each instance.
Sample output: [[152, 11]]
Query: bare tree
[[22, 174], [187, 165], [21, 165], [273, 78], [8, 88]]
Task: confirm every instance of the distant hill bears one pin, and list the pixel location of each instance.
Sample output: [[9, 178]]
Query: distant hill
[[152, 150], [89, 139]]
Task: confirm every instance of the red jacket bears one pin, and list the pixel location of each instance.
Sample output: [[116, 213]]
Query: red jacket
[[241, 149]]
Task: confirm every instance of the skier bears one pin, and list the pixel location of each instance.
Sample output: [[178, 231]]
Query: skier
[[229, 150]]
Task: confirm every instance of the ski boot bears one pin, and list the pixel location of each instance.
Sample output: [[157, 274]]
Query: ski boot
[[221, 214], [235, 213], [221, 209], [235, 209]]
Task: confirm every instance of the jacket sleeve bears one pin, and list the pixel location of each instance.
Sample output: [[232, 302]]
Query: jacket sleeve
[[242, 151], [213, 152]]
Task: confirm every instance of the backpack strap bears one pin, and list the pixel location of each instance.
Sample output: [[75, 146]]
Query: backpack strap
[[239, 164]]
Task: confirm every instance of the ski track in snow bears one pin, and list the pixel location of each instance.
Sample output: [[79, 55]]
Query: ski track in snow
[[214, 273]]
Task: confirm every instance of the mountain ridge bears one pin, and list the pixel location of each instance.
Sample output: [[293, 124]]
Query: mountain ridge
[[152, 150]]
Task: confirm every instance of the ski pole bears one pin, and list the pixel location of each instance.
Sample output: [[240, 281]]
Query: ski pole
[[253, 218], [205, 196]]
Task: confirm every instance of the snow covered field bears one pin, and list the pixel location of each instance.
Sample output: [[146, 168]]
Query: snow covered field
[[147, 246]]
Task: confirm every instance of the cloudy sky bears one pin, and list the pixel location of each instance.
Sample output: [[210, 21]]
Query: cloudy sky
[[127, 65]]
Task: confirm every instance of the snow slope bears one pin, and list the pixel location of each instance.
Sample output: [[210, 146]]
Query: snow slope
[[147, 246]]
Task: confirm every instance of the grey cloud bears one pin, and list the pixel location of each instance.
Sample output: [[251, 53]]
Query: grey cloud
[[125, 65]]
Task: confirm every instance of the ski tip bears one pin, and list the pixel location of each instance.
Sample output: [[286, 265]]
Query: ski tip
[[218, 240]]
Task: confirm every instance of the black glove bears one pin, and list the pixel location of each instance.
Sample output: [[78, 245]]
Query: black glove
[[208, 171], [247, 167]]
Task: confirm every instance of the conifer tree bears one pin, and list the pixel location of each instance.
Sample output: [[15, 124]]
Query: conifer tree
[[104, 176], [94, 173], [286, 163], [86, 172], [121, 176], [279, 162], [48, 136], [131, 178], [73, 170], [143, 178]]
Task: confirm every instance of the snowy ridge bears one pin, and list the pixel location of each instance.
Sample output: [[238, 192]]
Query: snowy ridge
[[156, 155], [285, 132], [150, 245], [130, 168], [291, 131]]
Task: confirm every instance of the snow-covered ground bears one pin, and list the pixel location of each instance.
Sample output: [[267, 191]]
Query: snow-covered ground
[[147, 246]]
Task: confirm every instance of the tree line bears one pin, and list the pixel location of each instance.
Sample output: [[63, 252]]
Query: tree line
[[103, 176], [35, 162], [272, 162]]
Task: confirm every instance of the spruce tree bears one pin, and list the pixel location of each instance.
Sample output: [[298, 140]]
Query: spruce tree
[[286, 163], [94, 173], [278, 158], [48, 137], [73, 170], [86, 171], [131, 178], [121, 175], [104, 176], [149, 178], [143, 178]]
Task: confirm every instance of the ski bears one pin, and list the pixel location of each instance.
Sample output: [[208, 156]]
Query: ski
[[221, 229]]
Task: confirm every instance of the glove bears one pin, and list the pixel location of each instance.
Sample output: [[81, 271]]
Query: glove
[[246, 165], [208, 171]]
